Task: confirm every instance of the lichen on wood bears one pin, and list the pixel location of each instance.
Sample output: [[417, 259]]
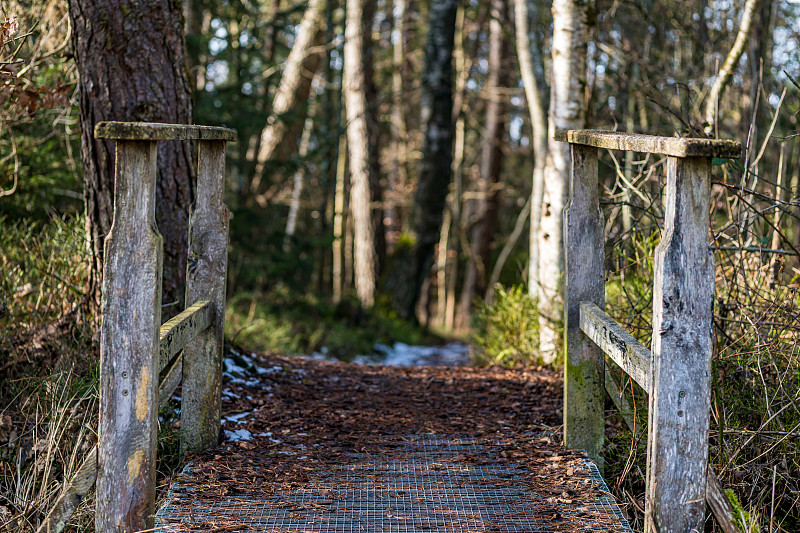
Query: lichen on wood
[[652, 144], [151, 131]]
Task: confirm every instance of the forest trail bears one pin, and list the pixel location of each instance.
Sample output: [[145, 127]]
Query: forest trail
[[326, 446]]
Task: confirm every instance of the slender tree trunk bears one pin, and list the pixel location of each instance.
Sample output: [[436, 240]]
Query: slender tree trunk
[[373, 136], [292, 91], [398, 176], [297, 184], [726, 71], [567, 111], [338, 220], [462, 74], [508, 247], [354, 84], [532, 70], [441, 267], [412, 266], [131, 62], [192, 17], [478, 265]]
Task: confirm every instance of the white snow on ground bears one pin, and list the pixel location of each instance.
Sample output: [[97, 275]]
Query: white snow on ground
[[270, 370], [401, 354], [231, 366], [238, 435], [236, 418]]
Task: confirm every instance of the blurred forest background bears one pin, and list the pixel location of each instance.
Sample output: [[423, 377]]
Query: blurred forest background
[[393, 180]]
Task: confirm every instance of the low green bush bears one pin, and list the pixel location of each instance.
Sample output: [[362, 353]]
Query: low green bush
[[285, 321], [506, 332]]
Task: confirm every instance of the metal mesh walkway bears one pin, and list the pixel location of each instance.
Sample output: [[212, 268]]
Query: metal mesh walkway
[[424, 487]]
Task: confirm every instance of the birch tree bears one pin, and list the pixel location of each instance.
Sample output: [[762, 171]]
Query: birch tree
[[567, 111], [355, 100], [532, 71]]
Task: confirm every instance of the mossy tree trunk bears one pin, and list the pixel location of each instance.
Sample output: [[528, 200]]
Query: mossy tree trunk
[[131, 60]]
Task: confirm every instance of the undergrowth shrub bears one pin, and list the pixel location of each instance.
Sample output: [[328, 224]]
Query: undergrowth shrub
[[754, 439], [506, 332], [285, 321]]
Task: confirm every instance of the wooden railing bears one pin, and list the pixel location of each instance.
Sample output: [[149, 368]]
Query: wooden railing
[[677, 374], [135, 348]]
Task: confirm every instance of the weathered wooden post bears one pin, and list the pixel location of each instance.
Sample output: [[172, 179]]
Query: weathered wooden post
[[205, 279], [584, 365], [131, 307], [683, 299]]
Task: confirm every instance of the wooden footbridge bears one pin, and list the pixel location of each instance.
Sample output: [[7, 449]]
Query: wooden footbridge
[[464, 464]]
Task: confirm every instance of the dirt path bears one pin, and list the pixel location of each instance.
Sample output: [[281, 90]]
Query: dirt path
[[297, 431]]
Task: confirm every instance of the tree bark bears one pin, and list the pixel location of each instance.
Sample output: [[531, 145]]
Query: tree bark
[[725, 73], [486, 204], [131, 61], [567, 111], [532, 71], [354, 86], [398, 176], [411, 266], [293, 90], [297, 185], [373, 136]]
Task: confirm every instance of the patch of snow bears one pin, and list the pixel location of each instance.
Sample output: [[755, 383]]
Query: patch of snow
[[270, 370], [402, 354], [238, 435], [240, 416], [231, 366], [246, 382]]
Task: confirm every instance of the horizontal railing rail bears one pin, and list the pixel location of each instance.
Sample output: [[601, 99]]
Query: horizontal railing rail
[[142, 362], [676, 372]]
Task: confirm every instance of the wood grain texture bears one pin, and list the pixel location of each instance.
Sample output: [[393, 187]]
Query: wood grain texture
[[672, 146], [584, 376], [683, 297], [719, 503], [715, 495], [84, 479], [77, 489], [205, 280], [170, 382], [175, 334], [620, 345], [129, 343], [151, 131]]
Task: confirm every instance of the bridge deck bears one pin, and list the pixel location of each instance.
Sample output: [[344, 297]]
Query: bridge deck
[[328, 447]]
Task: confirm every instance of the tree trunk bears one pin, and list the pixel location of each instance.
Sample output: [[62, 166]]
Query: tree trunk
[[731, 61], [131, 67], [411, 266], [459, 115], [292, 91], [567, 111], [337, 274], [486, 204], [297, 184], [354, 86], [398, 176], [373, 136], [532, 70]]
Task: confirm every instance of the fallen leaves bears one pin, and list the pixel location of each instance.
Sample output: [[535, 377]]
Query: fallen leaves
[[329, 415]]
